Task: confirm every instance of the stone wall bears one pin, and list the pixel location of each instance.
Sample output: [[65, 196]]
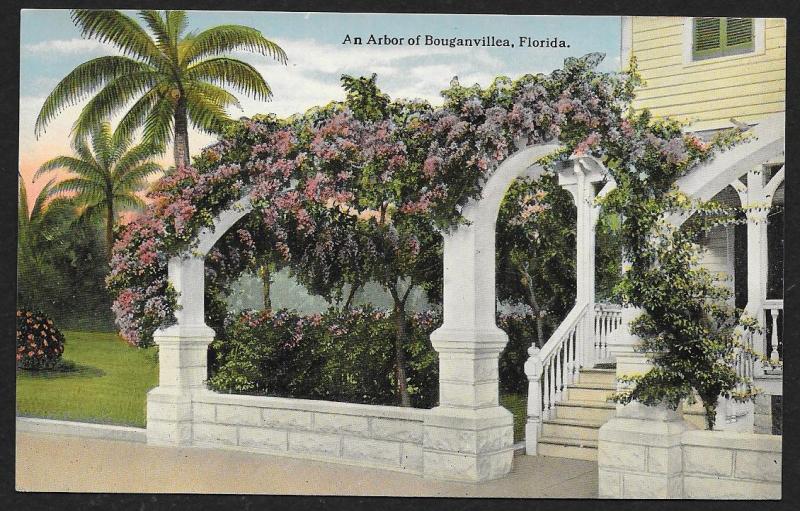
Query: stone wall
[[647, 452], [377, 436], [727, 465]]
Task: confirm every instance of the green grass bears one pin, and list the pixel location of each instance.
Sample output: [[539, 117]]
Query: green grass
[[517, 404], [108, 382]]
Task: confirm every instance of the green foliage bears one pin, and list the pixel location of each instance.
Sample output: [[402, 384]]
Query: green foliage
[[172, 77], [39, 343], [61, 263], [106, 176], [101, 379], [691, 334], [343, 355]]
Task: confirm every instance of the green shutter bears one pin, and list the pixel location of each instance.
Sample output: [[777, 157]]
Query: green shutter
[[718, 37], [707, 35], [739, 33]]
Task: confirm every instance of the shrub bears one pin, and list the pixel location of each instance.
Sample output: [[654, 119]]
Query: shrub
[[39, 343], [344, 355]]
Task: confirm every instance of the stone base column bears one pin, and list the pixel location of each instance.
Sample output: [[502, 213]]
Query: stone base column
[[182, 354], [623, 341], [469, 436], [639, 454]]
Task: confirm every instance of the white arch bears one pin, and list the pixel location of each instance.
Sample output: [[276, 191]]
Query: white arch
[[469, 256]]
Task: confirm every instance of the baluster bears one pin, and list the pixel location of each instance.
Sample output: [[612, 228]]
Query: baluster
[[546, 397], [559, 371], [774, 357], [569, 354]]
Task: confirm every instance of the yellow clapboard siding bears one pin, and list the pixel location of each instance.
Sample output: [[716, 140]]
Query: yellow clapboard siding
[[723, 119], [666, 33], [653, 45], [776, 42], [669, 67], [680, 83], [722, 85], [708, 92], [714, 111], [641, 24], [775, 22]]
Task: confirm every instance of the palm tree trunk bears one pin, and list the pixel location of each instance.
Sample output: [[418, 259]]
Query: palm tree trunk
[[109, 228], [181, 134]]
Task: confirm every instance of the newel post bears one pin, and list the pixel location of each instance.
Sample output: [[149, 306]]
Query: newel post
[[182, 357], [533, 427]]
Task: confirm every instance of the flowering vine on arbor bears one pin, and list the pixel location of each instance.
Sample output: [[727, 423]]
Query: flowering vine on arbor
[[363, 188]]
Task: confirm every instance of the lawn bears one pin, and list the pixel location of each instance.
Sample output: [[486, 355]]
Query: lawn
[[110, 380], [108, 384], [517, 404]]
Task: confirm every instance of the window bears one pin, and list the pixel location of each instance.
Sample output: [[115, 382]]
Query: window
[[720, 37]]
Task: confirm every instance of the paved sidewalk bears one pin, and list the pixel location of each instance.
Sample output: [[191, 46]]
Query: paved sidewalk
[[56, 463]]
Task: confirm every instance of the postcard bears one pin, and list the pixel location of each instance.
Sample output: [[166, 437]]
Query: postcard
[[286, 253]]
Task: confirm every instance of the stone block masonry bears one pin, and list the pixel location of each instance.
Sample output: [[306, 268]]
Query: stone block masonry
[[647, 452], [378, 436]]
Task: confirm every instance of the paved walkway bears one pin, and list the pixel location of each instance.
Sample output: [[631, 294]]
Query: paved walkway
[[57, 463]]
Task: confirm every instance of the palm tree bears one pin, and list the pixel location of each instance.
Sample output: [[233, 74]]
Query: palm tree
[[174, 77], [106, 176], [39, 224]]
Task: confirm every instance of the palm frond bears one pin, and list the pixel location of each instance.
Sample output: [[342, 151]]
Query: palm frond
[[41, 200], [133, 157], [88, 190], [135, 116], [101, 145], [74, 165], [158, 124], [128, 201], [176, 25], [81, 82], [233, 73], [137, 179], [156, 25], [215, 94], [115, 27], [226, 38], [113, 97], [204, 114]]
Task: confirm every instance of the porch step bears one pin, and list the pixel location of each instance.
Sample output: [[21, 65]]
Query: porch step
[[571, 428], [577, 449], [590, 391], [607, 376], [599, 411]]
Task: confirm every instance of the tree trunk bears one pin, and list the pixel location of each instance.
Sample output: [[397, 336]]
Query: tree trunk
[[109, 228], [181, 139], [266, 279], [351, 295], [401, 339], [534, 305]]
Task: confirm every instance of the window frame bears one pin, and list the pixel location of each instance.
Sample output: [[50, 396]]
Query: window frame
[[689, 55]]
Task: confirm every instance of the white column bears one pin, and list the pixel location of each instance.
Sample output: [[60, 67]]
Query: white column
[[756, 211], [469, 436], [182, 357], [579, 180]]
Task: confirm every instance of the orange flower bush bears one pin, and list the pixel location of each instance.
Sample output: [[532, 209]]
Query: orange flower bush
[[39, 343]]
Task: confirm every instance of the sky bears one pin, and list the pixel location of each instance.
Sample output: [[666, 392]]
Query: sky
[[51, 46]]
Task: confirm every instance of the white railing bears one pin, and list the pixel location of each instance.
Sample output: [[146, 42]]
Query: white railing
[[553, 367], [607, 319], [772, 319]]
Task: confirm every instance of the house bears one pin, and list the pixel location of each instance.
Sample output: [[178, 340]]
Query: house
[[711, 73]]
